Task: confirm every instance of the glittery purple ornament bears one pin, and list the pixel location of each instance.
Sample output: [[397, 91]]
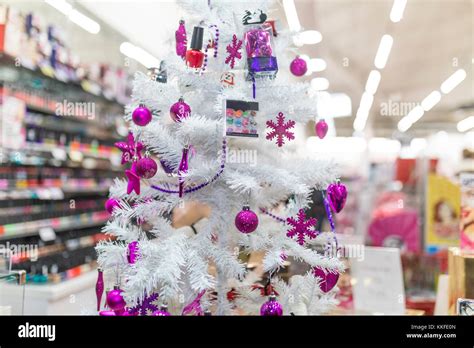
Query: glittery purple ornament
[[328, 279], [162, 312], [180, 110], [246, 220], [298, 66], [183, 169], [321, 128], [107, 314], [129, 148], [141, 116], [271, 308], [181, 40], [146, 168], [99, 287], [110, 205], [115, 301], [146, 306], [132, 253], [133, 179], [337, 195]]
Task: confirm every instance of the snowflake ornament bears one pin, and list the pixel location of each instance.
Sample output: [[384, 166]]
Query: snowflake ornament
[[146, 307], [234, 51], [301, 227], [280, 130]]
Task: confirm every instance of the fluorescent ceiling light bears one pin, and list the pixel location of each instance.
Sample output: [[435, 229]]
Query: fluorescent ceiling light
[[316, 65], [84, 22], [404, 124], [384, 51], [431, 100], [307, 37], [363, 112], [373, 82], [398, 7], [332, 105], [466, 124], [291, 15], [451, 82], [319, 84], [414, 115], [75, 16], [139, 54], [366, 101], [384, 145]]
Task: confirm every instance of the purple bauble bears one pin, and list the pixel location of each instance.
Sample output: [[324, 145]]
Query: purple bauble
[[110, 205], [146, 168], [162, 312], [321, 128], [328, 279], [180, 110], [132, 254], [115, 300], [107, 314], [298, 66], [141, 116], [337, 195], [271, 308], [246, 220]]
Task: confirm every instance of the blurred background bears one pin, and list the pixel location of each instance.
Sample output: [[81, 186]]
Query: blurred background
[[393, 79]]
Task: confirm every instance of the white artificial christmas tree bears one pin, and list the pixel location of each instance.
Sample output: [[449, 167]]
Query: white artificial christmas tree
[[178, 265]]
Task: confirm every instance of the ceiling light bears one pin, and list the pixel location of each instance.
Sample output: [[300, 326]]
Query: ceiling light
[[139, 54], [414, 115], [84, 22], [373, 82], [466, 124], [319, 84], [451, 82], [404, 124], [307, 37], [431, 100], [317, 64], [75, 16], [363, 112], [291, 15], [384, 51], [331, 105], [398, 7]]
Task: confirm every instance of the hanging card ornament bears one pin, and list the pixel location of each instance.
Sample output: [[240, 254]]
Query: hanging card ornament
[[337, 195], [228, 79], [181, 40], [240, 118]]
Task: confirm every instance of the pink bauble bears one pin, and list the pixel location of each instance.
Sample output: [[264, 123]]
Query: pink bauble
[[146, 168], [337, 195], [328, 279], [271, 308], [107, 314], [246, 220], [115, 300], [321, 128], [141, 116], [180, 110], [162, 312], [298, 66], [110, 205]]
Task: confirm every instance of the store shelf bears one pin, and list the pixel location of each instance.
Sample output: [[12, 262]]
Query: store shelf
[[57, 224]]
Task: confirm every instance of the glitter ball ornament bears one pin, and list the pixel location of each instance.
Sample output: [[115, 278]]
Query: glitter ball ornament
[[132, 253], [246, 220], [146, 168], [321, 128], [110, 205], [180, 110], [298, 67], [328, 278], [337, 195], [271, 308], [162, 312], [141, 116], [115, 300]]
